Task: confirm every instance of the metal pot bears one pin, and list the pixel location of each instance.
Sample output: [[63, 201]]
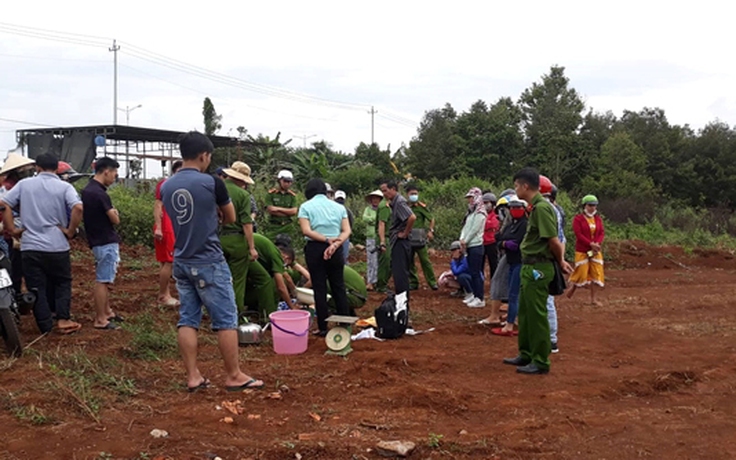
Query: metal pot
[[250, 334]]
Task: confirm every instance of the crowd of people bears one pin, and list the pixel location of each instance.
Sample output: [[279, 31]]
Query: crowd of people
[[211, 253]]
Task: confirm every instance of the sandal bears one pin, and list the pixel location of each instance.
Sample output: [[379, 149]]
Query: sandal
[[249, 385], [72, 328], [203, 385], [117, 318], [110, 326], [485, 321], [503, 333]]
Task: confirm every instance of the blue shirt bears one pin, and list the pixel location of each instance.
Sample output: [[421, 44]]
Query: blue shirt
[[191, 200], [324, 216], [43, 202], [560, 225], [459, 266]]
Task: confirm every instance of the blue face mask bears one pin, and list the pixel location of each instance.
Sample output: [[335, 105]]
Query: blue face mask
[[413, 198]]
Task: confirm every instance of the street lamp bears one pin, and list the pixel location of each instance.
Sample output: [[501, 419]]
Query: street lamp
[[127, 111]]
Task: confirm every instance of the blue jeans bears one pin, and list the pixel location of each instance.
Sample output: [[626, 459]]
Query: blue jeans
[[107, 258], [210, 285], [465, 282], [514, 289], [552, 317], [346, 249], [475, 265]]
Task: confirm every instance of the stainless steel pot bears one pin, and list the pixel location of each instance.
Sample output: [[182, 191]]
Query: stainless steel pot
[[250, 334]]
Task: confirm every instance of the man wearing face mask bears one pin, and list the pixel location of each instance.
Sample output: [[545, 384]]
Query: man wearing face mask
[[422, 233]]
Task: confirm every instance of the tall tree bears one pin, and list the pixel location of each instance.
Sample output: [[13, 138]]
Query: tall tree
[[211, 118], [433, 152], [373, 155], [552, 114]]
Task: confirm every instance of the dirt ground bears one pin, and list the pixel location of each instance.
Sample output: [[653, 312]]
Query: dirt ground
[[649, 374]]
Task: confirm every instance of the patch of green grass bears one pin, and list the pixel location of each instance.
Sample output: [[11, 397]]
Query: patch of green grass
[[25, 413], [150, 341], [434, 440]]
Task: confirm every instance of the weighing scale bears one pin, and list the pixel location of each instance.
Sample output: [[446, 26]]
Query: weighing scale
[[338, 337]]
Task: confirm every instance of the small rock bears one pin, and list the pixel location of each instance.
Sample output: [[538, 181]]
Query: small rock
[[308, 436], [298, 456], [394, 448], [315, 417], [284, 389], [463, 432], [254, 416], [159, 433], [276, 395], [227, 420]]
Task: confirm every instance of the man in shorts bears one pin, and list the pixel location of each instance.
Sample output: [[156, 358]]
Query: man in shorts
[[193, 199], [100, 218], [163, 240]]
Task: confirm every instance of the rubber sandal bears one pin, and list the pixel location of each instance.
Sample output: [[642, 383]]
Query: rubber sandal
[[246, 386], [68, 329], [110, 326], [502, 333], [117, 318], [205, 384]]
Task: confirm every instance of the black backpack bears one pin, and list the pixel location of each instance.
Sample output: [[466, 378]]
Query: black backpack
[[391, 319]]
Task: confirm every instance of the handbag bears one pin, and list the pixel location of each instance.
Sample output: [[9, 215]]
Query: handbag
[[558, 286], [418, 238]]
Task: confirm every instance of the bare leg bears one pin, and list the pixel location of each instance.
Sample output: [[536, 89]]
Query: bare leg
[[593, 289], [571, 291], [187, 337], [164, 278], [228, 342], [101, 305], [495, 316]]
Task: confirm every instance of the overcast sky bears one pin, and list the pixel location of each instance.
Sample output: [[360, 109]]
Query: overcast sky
[[403, 57]]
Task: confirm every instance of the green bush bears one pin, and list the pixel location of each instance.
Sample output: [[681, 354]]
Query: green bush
[[136, 214]]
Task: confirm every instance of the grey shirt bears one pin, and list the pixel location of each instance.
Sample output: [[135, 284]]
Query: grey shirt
[[43, 202], [400, 213]]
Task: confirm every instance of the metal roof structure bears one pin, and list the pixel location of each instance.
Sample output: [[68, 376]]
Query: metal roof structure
[[131, 144]]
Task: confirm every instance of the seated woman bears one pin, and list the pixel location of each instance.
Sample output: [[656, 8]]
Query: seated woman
[[325, 226]]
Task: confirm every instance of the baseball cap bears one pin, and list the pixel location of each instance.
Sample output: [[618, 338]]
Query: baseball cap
[[455, 245], [340, 195], [489, 197]]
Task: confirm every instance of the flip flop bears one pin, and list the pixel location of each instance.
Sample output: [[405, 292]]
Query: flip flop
[[485, 321], [110, 326], [205, 384], [117, 318], [246, 386], [68, 329], [172, 302], [501, 332]]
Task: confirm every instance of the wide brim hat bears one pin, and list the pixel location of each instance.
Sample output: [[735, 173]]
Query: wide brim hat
[[15, 161], [239, 171], [377, 193]]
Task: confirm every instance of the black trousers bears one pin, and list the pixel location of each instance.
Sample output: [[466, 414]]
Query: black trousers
[[321, 271], [49, 274], [400, 262], [491, 254]]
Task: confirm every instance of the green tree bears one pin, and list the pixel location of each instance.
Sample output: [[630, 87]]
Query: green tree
[[212, 121], [552, 115], [434, 151], [373, 155], [714, 151]]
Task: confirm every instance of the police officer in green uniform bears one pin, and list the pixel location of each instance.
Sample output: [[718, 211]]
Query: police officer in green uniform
[[237, 238], [355, 287], [540, 247], [267, 283], [424, 227], [281, 207], [383, 219]]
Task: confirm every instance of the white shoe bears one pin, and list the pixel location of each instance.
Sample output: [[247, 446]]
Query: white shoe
[[477, 303], [468, 298]]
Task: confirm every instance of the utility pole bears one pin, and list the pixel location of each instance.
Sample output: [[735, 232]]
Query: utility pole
[[115, 48], [373, 113], [305, 137], [127, 111]]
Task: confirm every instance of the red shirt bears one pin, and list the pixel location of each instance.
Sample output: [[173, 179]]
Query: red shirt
[[492, 226], [166, 225], [581, 227]]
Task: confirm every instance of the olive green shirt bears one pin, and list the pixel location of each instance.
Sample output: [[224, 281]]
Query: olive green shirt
[[268, 255], [383, 215], [369, 217], [241, 202], [541, 227], [276, 197], [424, 217], [355, 287]]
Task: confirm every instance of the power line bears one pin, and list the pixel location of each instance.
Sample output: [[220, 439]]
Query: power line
[[21, 122]]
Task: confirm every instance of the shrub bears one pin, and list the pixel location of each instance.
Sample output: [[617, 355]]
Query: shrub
[[136, 214]]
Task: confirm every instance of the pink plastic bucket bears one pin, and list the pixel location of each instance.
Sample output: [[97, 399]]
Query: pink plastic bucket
[[290, 331]]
